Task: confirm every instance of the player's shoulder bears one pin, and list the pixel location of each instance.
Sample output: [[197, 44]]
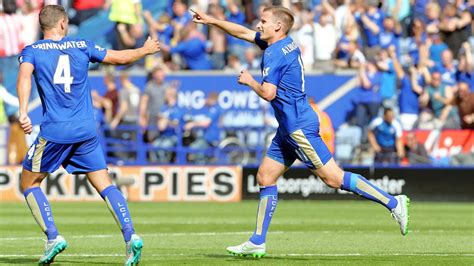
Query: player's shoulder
[[287, 47]]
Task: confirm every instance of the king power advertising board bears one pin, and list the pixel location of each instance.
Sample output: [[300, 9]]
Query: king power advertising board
[[163, 183]]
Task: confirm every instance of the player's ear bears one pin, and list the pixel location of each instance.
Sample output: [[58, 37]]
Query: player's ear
[[278, 26]]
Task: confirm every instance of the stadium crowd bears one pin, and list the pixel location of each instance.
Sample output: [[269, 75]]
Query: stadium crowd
[[413, 60]]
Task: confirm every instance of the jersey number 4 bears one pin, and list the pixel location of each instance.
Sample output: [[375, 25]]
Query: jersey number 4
[[62, 75]]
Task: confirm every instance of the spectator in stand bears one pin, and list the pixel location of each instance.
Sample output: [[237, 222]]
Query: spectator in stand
[[353, 57], [415, 152], [389, 34], [342, 16], [207, 121], [400, 11], [127, 14], [233, 64], [368, 99], [235, 45], [111, 93], [325, 38], [11, 44], [102, 109], [440, 113], [8, 99], [350, 34], [251, 61], [416, 42], [465, 72], [129, 99], [192, 48], [436, 48], [388, 81], [371, 18], [410, 90], [85, 9], [29, 18], [454, 26], [432, 15], [419, 9], [464, 101], [217, 38], [180, 15], [305, 40], [169, 120], [160, 29], [385, 138], [447, 68], [151, 101]]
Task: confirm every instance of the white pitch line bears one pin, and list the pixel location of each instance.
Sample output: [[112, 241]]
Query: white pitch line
[[271, 255], [143, 235]]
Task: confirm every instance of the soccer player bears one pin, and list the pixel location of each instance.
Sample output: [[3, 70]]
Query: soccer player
[[297, 136], [68, 134]]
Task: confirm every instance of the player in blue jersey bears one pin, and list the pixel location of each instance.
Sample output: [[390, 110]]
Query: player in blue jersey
[[298, 132], [68, 134]]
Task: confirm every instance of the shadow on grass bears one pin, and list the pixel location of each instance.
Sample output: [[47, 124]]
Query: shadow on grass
[[85, 261], [18, 260], [249, 258]]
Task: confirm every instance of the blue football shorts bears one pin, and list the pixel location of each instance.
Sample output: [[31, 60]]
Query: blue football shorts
[[303, 144], [83, 157]]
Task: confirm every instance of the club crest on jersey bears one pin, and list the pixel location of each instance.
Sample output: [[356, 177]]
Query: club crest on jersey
[[265, 71]]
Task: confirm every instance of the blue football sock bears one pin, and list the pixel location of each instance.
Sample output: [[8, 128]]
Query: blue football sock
[[361, 186], [119, 209], [41, 210], [266, 208]]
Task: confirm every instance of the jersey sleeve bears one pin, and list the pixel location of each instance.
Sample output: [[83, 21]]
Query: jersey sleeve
[[95, 52], [27, 55], [272, 65], [375, 123], [262, 44]]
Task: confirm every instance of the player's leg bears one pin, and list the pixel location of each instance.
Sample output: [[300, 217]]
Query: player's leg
[[43, 157], [332, 175], [115, 201], [318, 158], [37, 202], [119, 208], [89, 158], [275, 164]]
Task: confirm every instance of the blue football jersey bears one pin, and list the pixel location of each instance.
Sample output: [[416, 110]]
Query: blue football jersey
[[282, 66], [61, 74]]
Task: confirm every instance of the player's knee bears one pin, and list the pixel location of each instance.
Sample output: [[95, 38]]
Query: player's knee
[[332, 181], [28, 181], [331, 176], [265, 180]]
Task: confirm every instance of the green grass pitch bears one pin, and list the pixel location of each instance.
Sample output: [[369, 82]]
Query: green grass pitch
[[302, 233]]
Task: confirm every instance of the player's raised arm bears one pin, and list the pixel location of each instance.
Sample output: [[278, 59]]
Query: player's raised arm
[[233, 29], [23, 87], [129, 56]]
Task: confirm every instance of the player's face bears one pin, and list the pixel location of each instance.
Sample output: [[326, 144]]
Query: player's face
[[267, 26]]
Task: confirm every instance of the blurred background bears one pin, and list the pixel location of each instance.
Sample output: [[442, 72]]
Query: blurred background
[[392, 82]]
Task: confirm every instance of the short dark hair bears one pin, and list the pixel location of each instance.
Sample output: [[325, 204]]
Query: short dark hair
[[50, 15], [386, 110], [283, 14]]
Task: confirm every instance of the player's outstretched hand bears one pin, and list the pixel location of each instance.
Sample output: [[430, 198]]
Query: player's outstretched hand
[[201, 17], [245, 78], [25, 123], [151, 46]]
